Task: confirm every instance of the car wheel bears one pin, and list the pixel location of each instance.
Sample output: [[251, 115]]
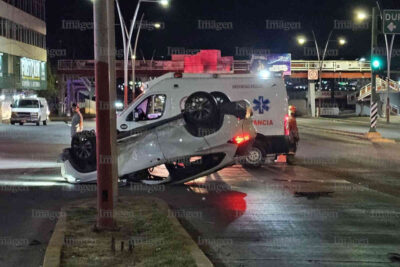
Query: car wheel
[[38, 122], [83, 146], [13, 122], [220, 97], [21, 123], [45, 122], [256, 156], [200, 108]]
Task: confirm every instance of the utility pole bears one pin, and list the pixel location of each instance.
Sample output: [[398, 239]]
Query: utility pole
[[104, 47]]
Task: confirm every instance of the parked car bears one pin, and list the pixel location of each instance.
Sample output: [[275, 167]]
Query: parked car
[[206, 137], [30, 110], [165, 96]]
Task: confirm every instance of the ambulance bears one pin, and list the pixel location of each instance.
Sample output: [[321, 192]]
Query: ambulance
[[165, 97]]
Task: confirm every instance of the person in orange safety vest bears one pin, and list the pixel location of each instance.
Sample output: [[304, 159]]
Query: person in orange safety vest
[[293, 130]]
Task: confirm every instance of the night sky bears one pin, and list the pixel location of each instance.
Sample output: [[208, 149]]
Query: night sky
[[248, 18]]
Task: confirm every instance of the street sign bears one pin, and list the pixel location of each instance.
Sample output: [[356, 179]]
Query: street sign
[[391, 21]]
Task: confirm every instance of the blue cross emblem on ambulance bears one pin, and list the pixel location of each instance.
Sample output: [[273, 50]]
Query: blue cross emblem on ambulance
[[261, 104]]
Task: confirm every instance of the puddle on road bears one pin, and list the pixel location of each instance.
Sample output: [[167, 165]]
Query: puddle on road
[[313, 195]]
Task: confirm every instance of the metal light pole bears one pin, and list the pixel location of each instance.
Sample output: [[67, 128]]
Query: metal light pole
[[389, 51], [127, 37], [134, 57], [321, 59], [104, 47]]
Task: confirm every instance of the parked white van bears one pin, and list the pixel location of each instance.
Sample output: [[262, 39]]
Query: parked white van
[[30, 109], [165, 96]]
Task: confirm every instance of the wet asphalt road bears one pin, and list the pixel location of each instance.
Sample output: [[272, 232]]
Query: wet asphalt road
[[337, 206]]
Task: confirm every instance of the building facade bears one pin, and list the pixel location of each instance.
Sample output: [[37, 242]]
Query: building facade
[[23, 55]]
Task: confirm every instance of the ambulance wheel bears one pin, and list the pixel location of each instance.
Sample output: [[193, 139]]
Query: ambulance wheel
[[256, 156], [220, 97], [83, 146], [200, 109]]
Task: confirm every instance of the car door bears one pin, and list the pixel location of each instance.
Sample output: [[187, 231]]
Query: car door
[[177, 143]]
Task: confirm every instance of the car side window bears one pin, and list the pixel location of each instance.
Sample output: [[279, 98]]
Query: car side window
[[151, 108]]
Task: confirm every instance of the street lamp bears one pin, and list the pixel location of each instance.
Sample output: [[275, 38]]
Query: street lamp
[[361, 15], [127, 37], [164, 2], [302, 40]]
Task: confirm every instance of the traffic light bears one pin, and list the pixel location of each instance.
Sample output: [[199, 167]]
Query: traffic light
[[376, 64]]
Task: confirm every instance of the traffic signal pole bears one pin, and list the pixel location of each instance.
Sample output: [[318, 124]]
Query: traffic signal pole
[[104, 47], [373, 102]]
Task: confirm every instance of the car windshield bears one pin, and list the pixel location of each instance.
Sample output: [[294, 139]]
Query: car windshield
[[26, 103]]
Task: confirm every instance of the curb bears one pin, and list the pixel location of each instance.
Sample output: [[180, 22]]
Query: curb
[[342, 120], [52, 257], [197, 254], [353, 134]]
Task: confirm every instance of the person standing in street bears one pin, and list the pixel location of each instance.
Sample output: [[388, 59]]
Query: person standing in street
[[77, 120], [293, 130]]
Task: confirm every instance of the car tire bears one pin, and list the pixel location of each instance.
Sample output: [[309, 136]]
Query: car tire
[[21, 123], [83, 147], [256, 156], [38, 123], [12, 123], [45, 122], [200, 109]]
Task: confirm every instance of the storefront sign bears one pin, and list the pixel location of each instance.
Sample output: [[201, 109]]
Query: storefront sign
[[33, 73]]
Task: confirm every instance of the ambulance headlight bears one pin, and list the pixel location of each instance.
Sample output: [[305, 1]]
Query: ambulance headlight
[[264, 74]]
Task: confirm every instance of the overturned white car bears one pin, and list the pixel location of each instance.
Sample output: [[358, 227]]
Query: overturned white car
[[207, 136]]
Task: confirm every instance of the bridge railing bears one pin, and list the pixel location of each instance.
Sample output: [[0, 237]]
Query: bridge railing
[[238, 65], [139, 65], [381, 86], [331, 65]]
